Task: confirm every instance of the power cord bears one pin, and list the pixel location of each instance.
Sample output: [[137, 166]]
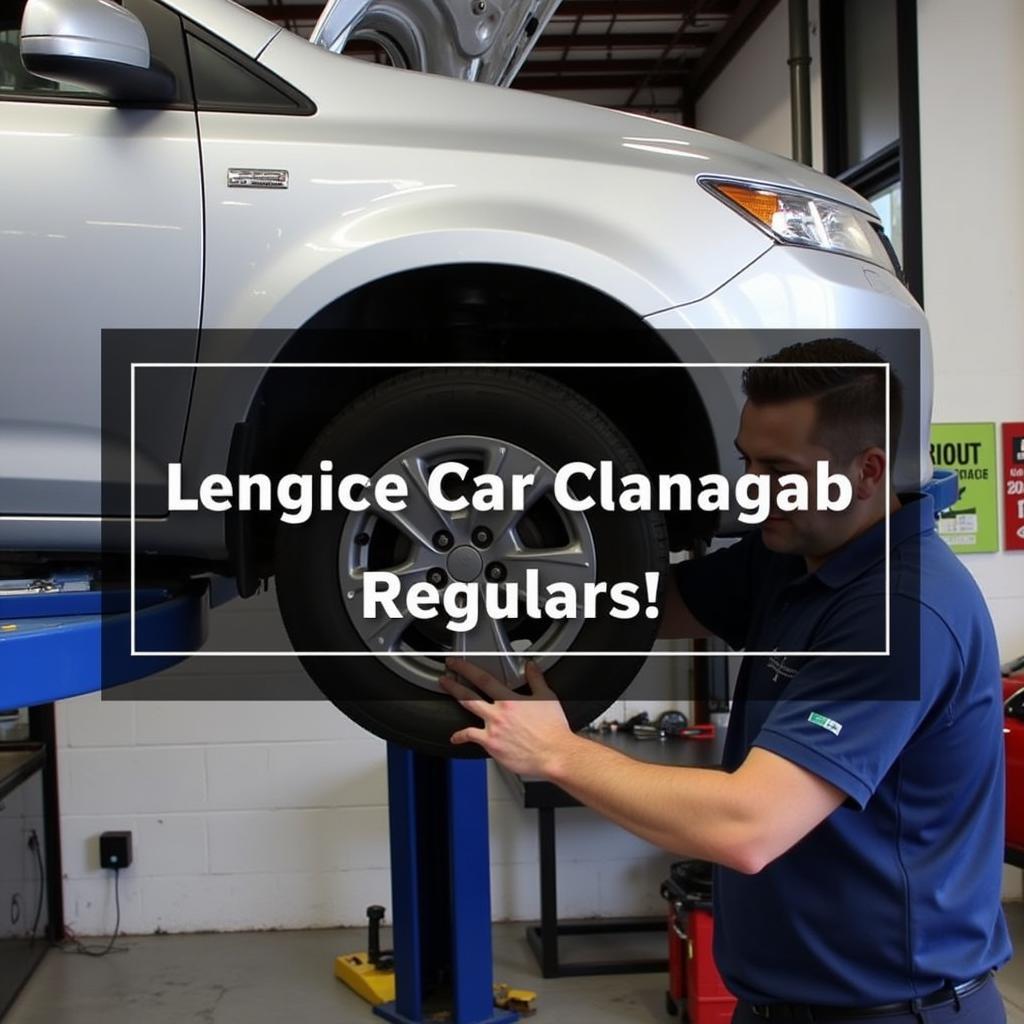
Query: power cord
[[33, 845], [75, 946]]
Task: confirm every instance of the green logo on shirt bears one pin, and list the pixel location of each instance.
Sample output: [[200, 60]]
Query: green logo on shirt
[[826, 723]]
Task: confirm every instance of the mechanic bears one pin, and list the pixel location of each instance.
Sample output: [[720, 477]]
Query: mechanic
[[857, 830]]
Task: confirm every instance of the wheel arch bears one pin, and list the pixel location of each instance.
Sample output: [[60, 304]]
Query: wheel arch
[[468, 312]]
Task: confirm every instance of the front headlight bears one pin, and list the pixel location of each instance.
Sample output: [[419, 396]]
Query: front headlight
[[798, 218]]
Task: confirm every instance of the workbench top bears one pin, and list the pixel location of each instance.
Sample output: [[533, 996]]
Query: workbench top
[[17, 762]]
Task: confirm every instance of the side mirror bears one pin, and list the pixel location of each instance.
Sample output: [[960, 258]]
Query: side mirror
[[93, 45]]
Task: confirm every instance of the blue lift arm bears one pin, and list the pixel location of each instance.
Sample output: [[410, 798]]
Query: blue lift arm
[[62, 640]]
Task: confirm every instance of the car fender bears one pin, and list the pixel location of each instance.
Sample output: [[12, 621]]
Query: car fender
[[296, 286], [390, 156]]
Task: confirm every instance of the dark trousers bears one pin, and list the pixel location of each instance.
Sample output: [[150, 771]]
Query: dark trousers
[[983, 1006]]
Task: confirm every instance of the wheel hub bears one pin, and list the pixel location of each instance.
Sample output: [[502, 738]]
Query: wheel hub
[[422, 542], [465, 564]]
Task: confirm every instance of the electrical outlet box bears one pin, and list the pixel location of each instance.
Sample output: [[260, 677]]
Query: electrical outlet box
[[115, 849]]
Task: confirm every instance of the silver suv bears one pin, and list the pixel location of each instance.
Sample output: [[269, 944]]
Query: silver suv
[[190, 185]]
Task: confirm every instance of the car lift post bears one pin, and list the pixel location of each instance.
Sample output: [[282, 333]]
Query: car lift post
[[440, 886]]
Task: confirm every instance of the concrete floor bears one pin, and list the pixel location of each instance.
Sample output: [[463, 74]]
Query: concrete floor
[[269, 977]]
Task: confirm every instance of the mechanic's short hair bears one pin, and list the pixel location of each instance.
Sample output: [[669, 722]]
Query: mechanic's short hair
[[850, 401]]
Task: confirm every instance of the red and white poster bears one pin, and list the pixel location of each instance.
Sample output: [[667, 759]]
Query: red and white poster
[[1013, 486]]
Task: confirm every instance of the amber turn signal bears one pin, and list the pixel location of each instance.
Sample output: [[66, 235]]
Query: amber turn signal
[[758, 203]]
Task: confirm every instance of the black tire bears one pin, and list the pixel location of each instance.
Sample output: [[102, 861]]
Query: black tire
[[521, 407]]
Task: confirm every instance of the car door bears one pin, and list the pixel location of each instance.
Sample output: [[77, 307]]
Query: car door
[[100, 227]]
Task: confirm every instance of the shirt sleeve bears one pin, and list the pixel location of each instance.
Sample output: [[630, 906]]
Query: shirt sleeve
[[719, 588], [847, 719]]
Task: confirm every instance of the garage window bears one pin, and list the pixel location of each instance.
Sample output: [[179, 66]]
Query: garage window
[[869, 96]]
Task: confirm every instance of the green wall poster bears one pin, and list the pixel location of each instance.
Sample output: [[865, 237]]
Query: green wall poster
[[972, 524]]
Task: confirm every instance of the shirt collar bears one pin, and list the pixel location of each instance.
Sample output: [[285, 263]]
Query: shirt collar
[[915, 517]]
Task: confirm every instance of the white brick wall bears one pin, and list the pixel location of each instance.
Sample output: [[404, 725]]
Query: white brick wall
[[287, 833], [273, 814]]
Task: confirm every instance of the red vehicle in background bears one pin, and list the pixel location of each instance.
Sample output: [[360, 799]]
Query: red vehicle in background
[[1013, 731]]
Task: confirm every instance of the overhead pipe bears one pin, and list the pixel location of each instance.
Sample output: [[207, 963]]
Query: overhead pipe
[[800, 80]]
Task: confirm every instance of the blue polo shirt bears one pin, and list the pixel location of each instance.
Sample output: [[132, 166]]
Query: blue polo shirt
[[896, 892]]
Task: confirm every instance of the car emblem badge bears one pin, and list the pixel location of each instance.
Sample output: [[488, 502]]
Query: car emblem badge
[[256, 177]]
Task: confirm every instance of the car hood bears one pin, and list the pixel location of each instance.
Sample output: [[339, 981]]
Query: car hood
[[483, 41], [381, 105]]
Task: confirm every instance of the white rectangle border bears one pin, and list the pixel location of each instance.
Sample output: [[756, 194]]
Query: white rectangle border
[[496, 654]]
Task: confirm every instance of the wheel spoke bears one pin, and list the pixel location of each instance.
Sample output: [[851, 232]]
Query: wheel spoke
[[508, 462], [421, 518], [569, 564], [385, 633], [412, 570], [490, 635]]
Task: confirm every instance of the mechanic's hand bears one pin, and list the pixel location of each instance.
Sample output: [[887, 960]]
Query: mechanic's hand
[[523, 733]]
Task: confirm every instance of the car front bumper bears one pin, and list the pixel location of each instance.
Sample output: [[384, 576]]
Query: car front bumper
[[792, 294]]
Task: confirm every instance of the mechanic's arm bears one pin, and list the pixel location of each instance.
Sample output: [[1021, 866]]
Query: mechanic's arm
[[742, 819]]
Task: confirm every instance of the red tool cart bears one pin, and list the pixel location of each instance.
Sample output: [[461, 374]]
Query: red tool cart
[[696, 992], [1013, 735]]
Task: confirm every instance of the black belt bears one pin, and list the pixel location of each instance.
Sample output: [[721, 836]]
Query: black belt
[[800, 1013]]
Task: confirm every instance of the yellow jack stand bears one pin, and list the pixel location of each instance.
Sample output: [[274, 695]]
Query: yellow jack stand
[[368, 982], [370, 975], [521, 1000]]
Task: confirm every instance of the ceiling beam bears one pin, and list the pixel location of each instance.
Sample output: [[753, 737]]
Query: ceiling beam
[[558, 83], [742, 24], [635, 67], [619, 8], [625, 40]]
